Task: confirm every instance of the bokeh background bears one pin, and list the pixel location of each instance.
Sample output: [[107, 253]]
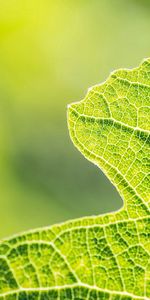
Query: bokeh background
[[50, 53]]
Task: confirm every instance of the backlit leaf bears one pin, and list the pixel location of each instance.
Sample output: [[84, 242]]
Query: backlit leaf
[[102, 257]]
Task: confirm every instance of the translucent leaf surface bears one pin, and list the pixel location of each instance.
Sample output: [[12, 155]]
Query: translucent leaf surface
[[104, 257]]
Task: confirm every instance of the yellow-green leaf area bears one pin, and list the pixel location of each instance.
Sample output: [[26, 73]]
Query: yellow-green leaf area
[[104, 257]]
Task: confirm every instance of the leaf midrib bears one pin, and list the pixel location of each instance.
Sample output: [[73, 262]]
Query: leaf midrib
[[72, 286], [134, 129]]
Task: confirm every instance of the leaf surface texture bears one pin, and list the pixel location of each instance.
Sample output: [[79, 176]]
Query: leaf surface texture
[[104, 257]]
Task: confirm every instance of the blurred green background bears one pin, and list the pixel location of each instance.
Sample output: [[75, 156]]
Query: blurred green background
[[50, 53]]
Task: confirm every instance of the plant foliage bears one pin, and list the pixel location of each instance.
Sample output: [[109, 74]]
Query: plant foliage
[[102, 257]]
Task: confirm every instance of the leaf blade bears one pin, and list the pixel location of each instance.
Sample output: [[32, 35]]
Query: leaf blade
[[107, 256]]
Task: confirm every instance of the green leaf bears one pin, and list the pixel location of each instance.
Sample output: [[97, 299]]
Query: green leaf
[[102, 257]]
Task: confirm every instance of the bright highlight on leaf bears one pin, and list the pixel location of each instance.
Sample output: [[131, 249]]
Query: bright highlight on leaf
[[105, 257]]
